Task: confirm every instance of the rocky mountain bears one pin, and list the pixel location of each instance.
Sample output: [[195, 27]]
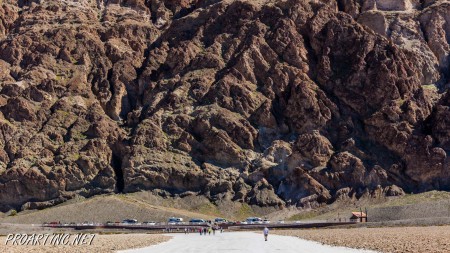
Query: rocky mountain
[[267, 102]]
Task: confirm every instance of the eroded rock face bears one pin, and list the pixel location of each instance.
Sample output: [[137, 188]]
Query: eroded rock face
[[265, 102], [418, 27]]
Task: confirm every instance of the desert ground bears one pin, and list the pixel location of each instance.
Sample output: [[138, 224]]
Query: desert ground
[[434, 239], [241, 242], [100, 243]]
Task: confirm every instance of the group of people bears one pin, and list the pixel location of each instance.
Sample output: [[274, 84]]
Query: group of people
[[188, 230], [209, 230], [175, 230]]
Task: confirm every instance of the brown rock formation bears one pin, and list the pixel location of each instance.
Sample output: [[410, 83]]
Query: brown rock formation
[[266, 102]]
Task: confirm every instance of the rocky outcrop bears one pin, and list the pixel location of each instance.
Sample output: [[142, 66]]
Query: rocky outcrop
[[271, 102], [419, 28], [435, 22]]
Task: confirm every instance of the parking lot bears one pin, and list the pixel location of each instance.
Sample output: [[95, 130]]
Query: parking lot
[[180, 226]]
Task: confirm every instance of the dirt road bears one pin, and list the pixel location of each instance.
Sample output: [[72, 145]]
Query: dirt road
[[247, 242]]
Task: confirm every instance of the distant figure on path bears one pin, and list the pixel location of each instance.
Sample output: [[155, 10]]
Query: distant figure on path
[[201, 231], [266, 233]]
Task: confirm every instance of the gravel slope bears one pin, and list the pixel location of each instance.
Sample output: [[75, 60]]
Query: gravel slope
[[123, 206]]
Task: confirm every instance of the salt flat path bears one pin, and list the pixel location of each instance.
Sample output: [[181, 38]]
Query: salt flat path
[[236, 242]]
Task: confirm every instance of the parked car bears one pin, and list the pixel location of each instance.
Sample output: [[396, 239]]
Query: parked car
[[254, 220], [220, 220], [197, 221], [130, 221], [149, 223], [174, 221], [280, 221], [266, 221]]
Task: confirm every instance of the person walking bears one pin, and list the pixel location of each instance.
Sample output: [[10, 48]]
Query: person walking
[[266, 233], [201, 231]]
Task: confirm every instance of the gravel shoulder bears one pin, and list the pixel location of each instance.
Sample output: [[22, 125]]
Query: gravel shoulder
[[100, 243], [435, 239]]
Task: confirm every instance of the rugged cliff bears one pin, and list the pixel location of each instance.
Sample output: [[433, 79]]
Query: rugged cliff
[[268, 102]]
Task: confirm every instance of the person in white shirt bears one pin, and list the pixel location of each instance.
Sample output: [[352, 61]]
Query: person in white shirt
[[266, 233]]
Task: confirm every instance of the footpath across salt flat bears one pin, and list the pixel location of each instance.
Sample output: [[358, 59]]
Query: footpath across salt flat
[[236, 242]]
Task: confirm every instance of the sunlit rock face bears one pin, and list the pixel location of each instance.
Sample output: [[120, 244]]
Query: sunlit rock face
[[270, 103]]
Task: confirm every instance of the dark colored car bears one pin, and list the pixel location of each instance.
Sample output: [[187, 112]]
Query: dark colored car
[[130, 221]]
